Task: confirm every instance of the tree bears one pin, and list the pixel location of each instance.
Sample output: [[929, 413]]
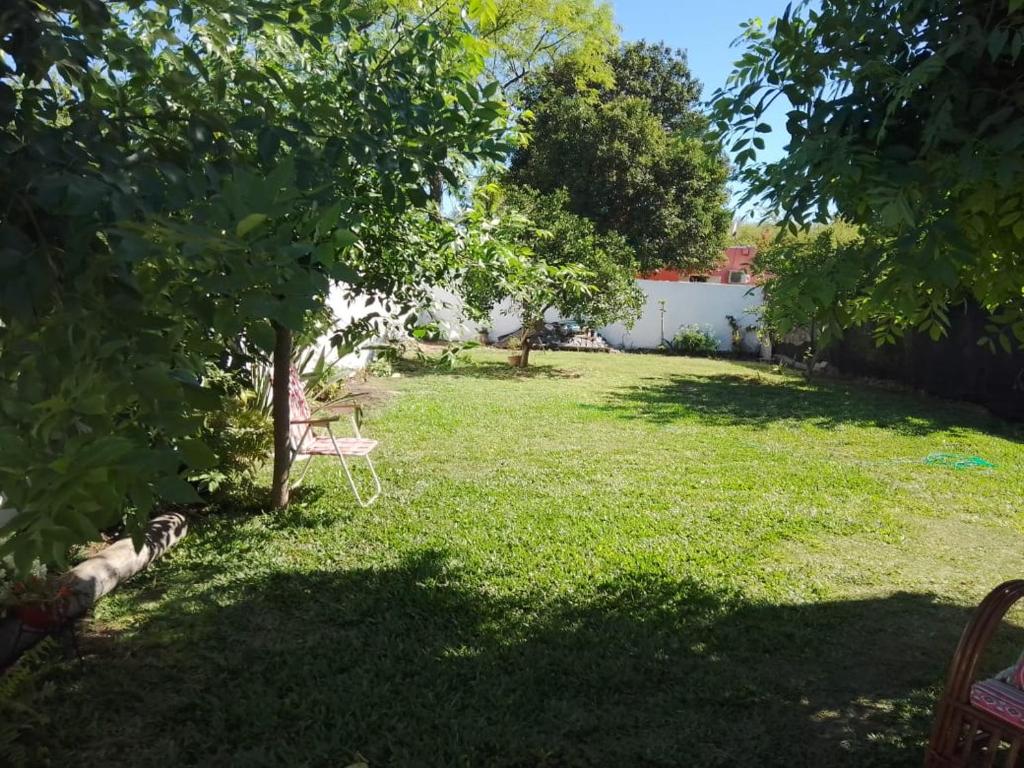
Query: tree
[[810, 283], [659, 184], [519, 37], [563, 263], [907, 120], [516, 38], [180, 179], [660, 76]]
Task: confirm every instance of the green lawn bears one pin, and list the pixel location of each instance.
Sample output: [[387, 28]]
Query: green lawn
[[614, 560]]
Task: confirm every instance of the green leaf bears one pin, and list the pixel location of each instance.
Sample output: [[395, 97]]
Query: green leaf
[[177, 491], [997, 41], [249, 223], [345, 237], [262, 335], [82, 525], [197, 454]]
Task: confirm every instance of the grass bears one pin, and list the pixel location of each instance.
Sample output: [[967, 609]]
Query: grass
[[610, 560]]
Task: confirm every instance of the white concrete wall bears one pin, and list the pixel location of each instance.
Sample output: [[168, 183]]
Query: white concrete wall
[[448, 312], [347, 309], [703, 304]]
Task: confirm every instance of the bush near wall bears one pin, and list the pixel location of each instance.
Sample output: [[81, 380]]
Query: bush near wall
[[954, 367]]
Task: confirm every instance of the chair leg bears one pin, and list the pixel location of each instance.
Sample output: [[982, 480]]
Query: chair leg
[[302, 474], [376, 481], [354, 487]]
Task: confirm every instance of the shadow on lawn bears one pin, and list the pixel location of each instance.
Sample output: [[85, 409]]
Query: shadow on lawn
[[414, 666], [756, 401]]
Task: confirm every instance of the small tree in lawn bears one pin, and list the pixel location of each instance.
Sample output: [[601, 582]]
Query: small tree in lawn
[[563, 264]]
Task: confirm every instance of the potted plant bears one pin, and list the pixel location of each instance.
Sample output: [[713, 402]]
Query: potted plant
[[40, 602]]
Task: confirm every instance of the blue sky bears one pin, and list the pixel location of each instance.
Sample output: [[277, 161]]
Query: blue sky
[[704, 30]]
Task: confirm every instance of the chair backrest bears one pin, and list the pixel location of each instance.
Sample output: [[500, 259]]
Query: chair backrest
[[298, 408]]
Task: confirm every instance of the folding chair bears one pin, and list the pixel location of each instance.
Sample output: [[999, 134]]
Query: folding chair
[[306, 443]]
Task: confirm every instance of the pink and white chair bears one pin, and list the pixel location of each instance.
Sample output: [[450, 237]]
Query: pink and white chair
[[305, 443]]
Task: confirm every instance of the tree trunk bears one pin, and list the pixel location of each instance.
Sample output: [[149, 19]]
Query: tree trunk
[[812, 359], [524, 358], [531, 329], [437, 191], [282, 419], [92, 579]]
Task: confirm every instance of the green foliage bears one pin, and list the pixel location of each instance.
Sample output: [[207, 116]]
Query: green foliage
[[660, 76], [239, 435], [565, 239], [631, 162], [561, 263], [907, 119], [737, 332], [748, 233], [693, 340], [811, 281], [452, 355], [518, 37], [178, 177], [382, 366], [23, 721], [524, 35]]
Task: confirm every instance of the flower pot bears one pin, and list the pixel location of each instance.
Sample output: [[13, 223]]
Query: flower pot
[[39, 615], [515, 360]]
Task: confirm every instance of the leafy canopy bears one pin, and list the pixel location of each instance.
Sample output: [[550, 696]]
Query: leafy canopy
[[177, 176], [631, 163], [519, 37], [906, 119], [810, 281], [567, 265], [661, 76]]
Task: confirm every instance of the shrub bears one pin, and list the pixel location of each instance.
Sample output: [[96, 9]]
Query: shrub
[[24, 725], [240, 434], [694, 340]]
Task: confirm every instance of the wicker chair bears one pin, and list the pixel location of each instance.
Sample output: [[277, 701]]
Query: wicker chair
[[965, 734]]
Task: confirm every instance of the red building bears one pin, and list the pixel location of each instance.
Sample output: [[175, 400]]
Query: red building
[[734, 268]]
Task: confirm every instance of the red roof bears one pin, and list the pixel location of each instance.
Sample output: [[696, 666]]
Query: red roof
[[735, 258]]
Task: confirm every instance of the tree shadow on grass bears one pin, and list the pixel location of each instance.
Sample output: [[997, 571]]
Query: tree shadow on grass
[[416, 665], [756, 401]]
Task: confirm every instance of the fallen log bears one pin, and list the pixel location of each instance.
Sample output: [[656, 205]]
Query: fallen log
[[92, 579]]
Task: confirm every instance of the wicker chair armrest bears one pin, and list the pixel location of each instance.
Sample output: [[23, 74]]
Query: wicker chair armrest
[[964, 667], [977, 635]]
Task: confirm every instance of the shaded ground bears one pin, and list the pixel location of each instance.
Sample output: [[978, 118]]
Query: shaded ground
[[615, 560]]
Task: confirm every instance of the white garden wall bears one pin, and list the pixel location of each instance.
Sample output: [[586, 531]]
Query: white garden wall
[[703, 304], [447, 311], [346, 310]]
